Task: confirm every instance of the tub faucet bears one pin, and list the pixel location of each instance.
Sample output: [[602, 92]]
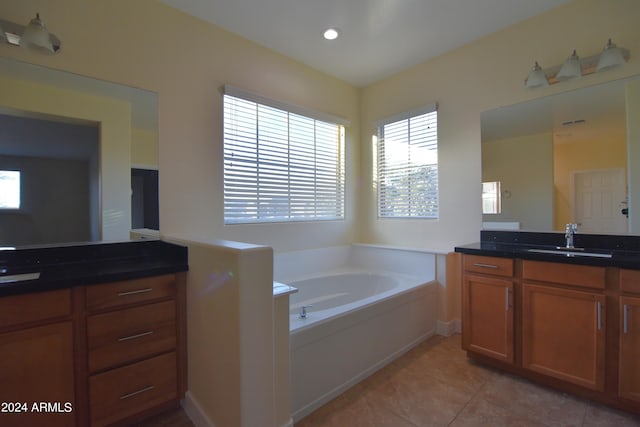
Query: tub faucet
[[570, 231], [303, 311]]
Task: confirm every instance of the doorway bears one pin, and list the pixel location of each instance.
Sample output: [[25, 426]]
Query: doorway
[[598, 197]]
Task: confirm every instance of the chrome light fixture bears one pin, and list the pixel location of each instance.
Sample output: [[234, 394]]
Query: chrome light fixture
[[571, 68], [611, 56], [575, 67], [537, 77], [34, 35]]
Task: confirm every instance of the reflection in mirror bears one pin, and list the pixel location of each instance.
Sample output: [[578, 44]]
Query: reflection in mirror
[[74, 141], [562, 159]]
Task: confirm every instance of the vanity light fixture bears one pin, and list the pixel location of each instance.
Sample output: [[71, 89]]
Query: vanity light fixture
[[33, 35], [611, 56], [575, 67], [571, 68], [537, 77]]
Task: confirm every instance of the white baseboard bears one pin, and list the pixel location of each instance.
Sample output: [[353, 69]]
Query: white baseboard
[[449, 328], [289, 423], [197, 416], [194, 411]]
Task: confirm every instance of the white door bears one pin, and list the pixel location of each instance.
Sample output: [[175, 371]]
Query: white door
[[598, 198]]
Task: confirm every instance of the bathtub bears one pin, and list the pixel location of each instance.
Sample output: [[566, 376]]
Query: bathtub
[[369, 305]]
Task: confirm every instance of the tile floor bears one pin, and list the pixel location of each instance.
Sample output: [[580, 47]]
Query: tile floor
[[435, 384]]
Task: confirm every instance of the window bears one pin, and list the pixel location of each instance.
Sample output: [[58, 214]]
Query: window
[[407, 165], [9, 189], [491, 198], [280, 165]]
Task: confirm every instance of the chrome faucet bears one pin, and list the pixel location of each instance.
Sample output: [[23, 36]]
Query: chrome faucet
[[303, 311], [569, 232]]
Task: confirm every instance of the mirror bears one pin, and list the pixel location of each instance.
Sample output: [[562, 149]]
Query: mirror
[[561, 159], [71, 149]]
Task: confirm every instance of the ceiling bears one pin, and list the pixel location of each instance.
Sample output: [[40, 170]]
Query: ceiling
[[377, 37]]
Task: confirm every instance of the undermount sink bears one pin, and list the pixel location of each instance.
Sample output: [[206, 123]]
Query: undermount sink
[[571, 252]]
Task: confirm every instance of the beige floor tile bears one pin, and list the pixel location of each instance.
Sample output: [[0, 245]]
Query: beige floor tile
[[435, 384], [171, 418], [533, 402], [481, 413], [602, 416], [419, 398]]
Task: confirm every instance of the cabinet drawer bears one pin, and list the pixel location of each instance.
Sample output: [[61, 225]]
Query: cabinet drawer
[[566, 274], [630, 281], [121, 336], [120, 393], [488, 265], [118, 294], [26, 308]]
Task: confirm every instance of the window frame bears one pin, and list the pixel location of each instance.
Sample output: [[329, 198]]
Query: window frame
[[20, 206], [495, 200], [296, 175], [382, 170]]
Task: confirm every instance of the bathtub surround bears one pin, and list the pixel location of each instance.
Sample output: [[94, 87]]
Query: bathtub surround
[[345, 337]]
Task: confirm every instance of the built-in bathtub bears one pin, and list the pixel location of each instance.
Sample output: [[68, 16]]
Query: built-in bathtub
[[369, 305]]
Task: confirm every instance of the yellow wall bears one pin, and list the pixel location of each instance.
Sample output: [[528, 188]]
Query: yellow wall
[[141, 50], [524, 167], [114, 117], [633, 151], [186, 61], [144, 148], [483, 75]]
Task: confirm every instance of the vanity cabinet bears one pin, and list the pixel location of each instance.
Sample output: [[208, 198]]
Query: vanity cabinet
[[37, 360], [97, 355], [563, 322], [132, 338], [629, 342], [487, 307]]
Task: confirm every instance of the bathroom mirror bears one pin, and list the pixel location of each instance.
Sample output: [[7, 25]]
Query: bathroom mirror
[[560, 159], [69, 146]]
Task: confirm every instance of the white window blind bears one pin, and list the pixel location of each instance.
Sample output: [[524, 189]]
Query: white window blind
[[279, 165], [407, 165], [9, 189]]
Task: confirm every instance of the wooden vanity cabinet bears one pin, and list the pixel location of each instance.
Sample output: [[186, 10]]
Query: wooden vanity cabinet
[[133, 353], [487, 306], [563, 322], [37, 360], [629, 342], [105, 354]]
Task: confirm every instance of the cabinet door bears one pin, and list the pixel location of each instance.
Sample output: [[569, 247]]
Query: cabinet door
[[563, 334], [487, 322], [36, 368], [629, 374]]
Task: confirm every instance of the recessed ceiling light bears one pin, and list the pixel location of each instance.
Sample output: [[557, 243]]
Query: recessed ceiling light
[[331, 34]]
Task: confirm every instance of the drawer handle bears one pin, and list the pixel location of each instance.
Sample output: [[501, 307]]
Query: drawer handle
[[139, 291], [599, 315], [133, 337], [135, 393], [625, 327], [479, 264], [507, 299]]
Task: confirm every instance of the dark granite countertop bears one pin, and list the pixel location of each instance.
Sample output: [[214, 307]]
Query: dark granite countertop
[[70, 265], [624, 250]]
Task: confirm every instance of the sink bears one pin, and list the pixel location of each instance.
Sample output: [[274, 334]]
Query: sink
[[571, 253]]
